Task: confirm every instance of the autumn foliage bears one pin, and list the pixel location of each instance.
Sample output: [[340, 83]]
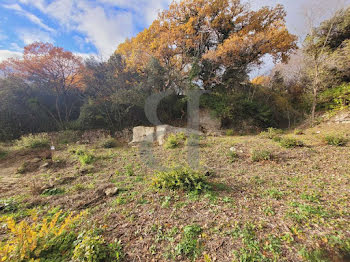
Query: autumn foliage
[[215, 35]]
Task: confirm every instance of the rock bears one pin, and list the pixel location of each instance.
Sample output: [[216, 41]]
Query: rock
[[46, 165], [143, 134], [111, 191], [36, 160], [158, 134], [235, 150]]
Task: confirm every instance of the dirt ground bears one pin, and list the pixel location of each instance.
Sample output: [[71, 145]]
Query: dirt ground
[[287, 208]]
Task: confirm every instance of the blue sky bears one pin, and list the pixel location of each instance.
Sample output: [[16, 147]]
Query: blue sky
[[96, 27]]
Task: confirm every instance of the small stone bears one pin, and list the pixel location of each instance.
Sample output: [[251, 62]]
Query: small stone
[[46, 165], [111, 191]]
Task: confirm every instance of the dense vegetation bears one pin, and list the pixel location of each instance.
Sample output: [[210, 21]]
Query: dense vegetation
[[207, 45]]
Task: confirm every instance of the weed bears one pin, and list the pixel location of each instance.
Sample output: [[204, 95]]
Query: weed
[[271, 133], [303, 212], [53, 192], [91, 247], [261, 155], [34, 141], [22, 169], [315, 255], [68, 137], [290, 142], [230, 132], [298, 132], [129, 170], [85, 157], [48, 240], [193, 140], [274, 193], [190, 245], [109, 143], [3, 153], [175, 140], [233, 156], [8, 206], [336, 140], [180, 178]]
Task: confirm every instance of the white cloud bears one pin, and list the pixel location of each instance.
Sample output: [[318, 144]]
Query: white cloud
[[31, 36], [105, 31], [5, 54], [36, 20], [105, 23]]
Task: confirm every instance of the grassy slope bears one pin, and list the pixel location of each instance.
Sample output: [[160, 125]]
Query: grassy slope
[[269, 209]]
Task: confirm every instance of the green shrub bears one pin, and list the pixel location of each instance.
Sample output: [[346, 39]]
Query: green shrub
[[271, 133], [175, 140], [290, 142], [109, 143], [190, 245], [68, 137], [298, 132], [93, 248], [34, 141], [85, 157], [336, 140], [230, 132], [233, 156], [261, 155], [180, 178], [53, 192], [49, 239], [3, 153], [129, 170], [193, 140]]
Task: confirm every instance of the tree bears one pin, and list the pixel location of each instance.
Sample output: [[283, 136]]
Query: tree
[[318, 46], [53, 69], [220, 39]]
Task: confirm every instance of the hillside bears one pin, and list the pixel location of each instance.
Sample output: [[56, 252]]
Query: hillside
[[266, 200]]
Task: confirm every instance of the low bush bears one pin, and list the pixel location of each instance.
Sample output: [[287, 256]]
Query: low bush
[[3, 153], [53, 192], [271, 133], [175, 140], [230, 132], [50, 239], [91, 247], [336, 140], [193, 140], [68, 137], [190, 245], [298, 132], [290, 142], [233, 156], [85, 157], [180, 179], [261, 155], [34, 141], [109, 143]]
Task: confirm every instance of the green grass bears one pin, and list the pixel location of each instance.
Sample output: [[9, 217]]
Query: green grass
[[190, 245], [180, 179], [336, 140], [34, 141], [261, 155], [290, 142], [175, 140]]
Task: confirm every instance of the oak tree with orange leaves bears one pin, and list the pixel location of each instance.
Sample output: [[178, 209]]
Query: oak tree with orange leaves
[[52, 69], [210, 43]]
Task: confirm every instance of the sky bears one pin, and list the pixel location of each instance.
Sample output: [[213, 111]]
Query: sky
[[96, 27]]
